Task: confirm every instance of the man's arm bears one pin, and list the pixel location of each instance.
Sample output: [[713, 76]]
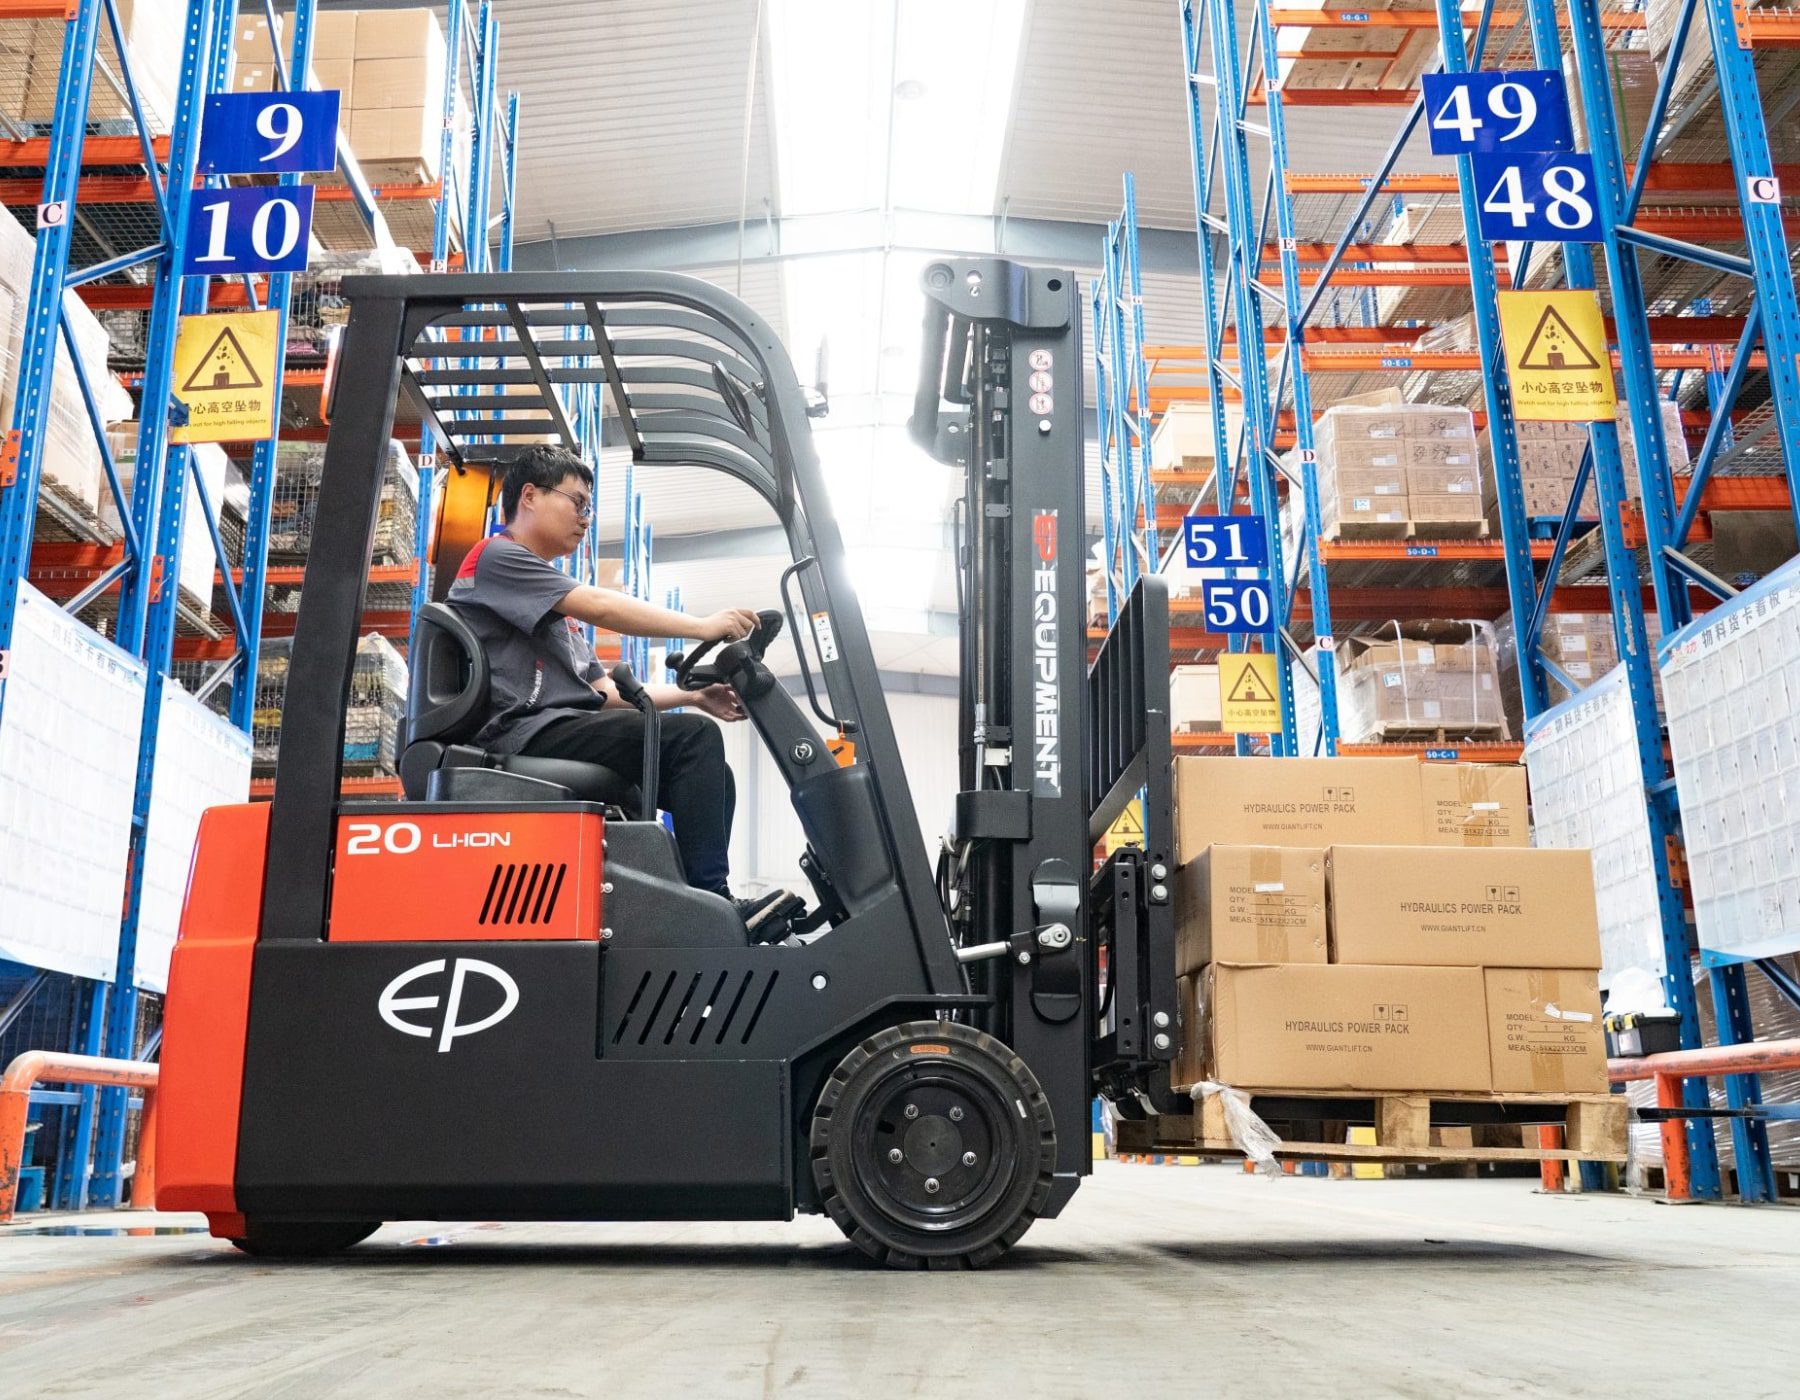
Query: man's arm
[[719, 701], [632, 617]]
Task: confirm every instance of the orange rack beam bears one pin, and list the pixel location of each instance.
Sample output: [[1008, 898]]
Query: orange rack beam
[[136, 189], [95, 150], [261, 789]]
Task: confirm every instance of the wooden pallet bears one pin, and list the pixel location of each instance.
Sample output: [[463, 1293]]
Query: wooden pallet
[[1450, 529], [1594, 1126], [1441, 737], [1368, 530]]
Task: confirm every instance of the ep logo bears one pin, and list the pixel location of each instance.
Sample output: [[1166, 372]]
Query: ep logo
[[391, 1003]]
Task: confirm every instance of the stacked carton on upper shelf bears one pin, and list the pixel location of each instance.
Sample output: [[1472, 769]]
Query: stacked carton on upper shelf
[[1378, 924], [1390, 469]]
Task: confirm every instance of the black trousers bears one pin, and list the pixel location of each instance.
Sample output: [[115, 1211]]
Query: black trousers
[[695, 782]]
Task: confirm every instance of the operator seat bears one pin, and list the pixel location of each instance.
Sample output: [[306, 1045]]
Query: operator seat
[[447, 702]]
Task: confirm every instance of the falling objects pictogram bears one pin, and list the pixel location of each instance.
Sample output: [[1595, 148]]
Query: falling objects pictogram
[[223, 366], [1554, 345]]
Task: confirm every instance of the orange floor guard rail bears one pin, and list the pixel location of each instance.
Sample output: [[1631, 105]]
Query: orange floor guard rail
[[1757, 1057], [44, 1066]]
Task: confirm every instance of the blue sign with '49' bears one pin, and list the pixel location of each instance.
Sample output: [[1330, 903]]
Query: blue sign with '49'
[[1471, 112]]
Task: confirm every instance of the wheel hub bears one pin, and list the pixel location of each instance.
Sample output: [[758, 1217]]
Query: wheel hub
[[934, 1153], [932, 1145]]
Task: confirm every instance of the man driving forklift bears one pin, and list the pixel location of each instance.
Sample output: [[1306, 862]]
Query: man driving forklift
[[549, 696]]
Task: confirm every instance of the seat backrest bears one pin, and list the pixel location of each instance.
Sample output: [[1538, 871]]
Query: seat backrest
[[447, 697]]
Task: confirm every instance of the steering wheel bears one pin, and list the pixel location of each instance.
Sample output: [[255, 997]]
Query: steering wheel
[[691, 675]]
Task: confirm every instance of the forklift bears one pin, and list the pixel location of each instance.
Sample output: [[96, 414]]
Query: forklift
[[499, 999]]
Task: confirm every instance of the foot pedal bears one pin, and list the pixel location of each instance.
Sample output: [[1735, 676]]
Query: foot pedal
[[770, 918]]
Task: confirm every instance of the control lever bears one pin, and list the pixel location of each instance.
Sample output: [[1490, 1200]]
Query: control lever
[[638, 698]]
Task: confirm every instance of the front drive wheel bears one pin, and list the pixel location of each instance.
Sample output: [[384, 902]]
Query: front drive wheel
[[933, 1146], [302, 1239]]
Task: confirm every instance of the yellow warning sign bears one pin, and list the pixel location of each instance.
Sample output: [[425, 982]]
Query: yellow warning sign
[[225, 374], [1128, 830], [1249, 701], [1556, 357]]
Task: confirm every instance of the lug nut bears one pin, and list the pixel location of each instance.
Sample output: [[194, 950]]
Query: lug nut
[[1160, 1041], [896, 1156], [931, 1186], [968, 1159], [912, 1110], [1024, 958], [1160, 1020], [1159, 893], [956, 1115], [1159, 871]]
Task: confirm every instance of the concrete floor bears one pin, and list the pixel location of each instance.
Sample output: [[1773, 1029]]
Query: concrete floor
[[1156, 1281]]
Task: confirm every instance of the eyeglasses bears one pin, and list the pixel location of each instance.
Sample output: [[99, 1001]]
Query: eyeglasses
[[584, 508]]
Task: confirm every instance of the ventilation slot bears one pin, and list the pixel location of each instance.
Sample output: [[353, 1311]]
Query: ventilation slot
[[756, 1015], [656, 1010], [687, 1001], [636, 997], [707, 1011], [523, 894]]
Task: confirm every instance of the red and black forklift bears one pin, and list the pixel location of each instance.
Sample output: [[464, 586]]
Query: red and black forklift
[[498, 998]]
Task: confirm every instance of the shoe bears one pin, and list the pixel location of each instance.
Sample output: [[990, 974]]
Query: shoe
[[768, 915]]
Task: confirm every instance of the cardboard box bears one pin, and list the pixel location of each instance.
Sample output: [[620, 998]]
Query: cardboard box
[[1189, 1064], [409, 134], [1442, 906], [1332, 1027], [1445, 508], [337, 75], [1250, 904], [1440, 452], [1307, 802], [1362, 481], [1443, 481], [399, 34], [1475, 804], [389, 84], [1363, 454], [1544, 1031], [1427, 423], [1194, 699]]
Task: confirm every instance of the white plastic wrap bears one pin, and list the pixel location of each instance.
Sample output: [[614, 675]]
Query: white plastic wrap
[[73, 705], [1732, 682], [1587, 792], [1254, 1138], [202, 761], [1431, 675]]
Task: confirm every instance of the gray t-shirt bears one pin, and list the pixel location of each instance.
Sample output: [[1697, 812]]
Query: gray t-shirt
[[539, 661]]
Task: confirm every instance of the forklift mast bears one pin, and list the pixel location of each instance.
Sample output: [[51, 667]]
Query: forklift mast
[[1050, 755]]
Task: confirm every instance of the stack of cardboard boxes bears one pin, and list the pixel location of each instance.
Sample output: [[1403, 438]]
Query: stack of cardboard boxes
[[1550, 455], [31, 64], [1436, 675], [389, 67], [1389, 469], [1351, 58], [1583, 645], [73, 475], [1380, 924]]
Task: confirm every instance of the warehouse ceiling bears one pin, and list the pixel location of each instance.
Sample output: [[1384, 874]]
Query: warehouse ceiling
[[815, 170]]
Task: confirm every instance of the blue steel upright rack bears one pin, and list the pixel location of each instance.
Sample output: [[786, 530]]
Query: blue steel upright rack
[[90, 1153], [1666, 523]]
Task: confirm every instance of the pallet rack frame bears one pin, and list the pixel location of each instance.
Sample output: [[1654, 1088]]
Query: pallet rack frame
[[1667, 518], [90, 1159]]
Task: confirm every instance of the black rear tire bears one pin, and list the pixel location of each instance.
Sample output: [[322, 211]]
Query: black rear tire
[[933, 1147], [302, 1239]]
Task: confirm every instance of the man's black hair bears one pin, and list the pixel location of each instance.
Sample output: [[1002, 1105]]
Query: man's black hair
[[541, 466]]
